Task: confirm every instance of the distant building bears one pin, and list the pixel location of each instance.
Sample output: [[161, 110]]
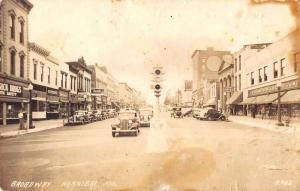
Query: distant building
[[187, 93], [206, 64]]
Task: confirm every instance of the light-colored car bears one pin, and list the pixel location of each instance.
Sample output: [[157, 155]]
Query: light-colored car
[[80, 116], [145, 115], [128, 123]]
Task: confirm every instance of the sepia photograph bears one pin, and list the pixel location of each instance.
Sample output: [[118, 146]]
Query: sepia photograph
[[149, 95]]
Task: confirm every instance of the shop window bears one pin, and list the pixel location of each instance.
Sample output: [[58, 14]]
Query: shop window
[[12, 62], [275, 69], [49, 70], [282, 67], [265, 73], [22, 62], [259, 75], [252, 78]]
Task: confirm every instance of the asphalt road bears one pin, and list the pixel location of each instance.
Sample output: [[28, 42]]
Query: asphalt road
[[174, 154]]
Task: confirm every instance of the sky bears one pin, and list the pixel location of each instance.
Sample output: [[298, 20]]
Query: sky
[[129, 37]]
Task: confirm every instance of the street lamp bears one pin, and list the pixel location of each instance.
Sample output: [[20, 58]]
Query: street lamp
[[30, 88], [279, 122]]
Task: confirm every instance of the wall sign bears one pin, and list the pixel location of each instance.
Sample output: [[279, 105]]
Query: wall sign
[[53, 92], [11, 90], [262, 90]]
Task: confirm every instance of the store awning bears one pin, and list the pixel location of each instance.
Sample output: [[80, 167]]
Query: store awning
[[271, 98], [12, 99], [210, 102], [292, 96], [236, 98], [115, 104], [248, 100]]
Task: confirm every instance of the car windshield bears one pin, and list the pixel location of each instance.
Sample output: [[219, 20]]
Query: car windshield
[[127, 115]]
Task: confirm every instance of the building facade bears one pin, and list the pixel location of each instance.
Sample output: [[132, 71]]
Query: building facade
[[84, 76], [272, 73], [205, 64], [14, 61], [99, 86]]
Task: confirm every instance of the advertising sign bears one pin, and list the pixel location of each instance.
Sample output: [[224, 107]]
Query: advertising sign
[[10, 90]]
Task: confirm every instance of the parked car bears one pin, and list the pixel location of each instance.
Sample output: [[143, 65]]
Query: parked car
[[98, 115], [211, 114], [128, 124], [176, 112], [112, 113], [80, 116], [196, 112], [145, 115], [105, 114]]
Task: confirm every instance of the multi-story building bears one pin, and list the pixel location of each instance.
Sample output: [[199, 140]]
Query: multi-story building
[[187, 93], [73, 97], [14, 60], [206, 64], [271, 72], [44, 75], [125, 95], [236, 91], [84, 76], [65, 82], [99, 86]]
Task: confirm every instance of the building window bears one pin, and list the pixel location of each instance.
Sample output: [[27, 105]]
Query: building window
[[42, 72], [275, 69], [252, 78], [265, 73], [235, 65], [34, 69], [22, 32], [74, 83], [12, 62], [62, 80], [12, 26], [71, 82], [240, 82], [240, 62], [297, 61], [0, 58], [259, 75], [66, 80], [56, 75], [22, 59], [235, 83], [49, 70], [282, 67]]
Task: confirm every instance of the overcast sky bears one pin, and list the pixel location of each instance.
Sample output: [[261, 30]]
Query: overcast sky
[[130, 36]]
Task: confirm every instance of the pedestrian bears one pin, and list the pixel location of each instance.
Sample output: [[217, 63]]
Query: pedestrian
[[21, 119], [263, 112]]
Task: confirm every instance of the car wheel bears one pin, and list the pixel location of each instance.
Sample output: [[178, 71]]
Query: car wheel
[[113, 134], [209, 118], [223, 118]]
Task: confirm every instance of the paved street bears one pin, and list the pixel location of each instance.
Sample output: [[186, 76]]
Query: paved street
[[174, 154]]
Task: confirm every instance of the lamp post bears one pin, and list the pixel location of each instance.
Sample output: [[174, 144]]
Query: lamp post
[[30, 126], [279, 121]]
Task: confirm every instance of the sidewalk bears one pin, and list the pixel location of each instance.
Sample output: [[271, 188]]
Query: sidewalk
[[13, 129], [268, 124]]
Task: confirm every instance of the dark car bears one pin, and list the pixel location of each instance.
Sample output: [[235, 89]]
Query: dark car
[[128, 124], [211, 114], [176, 112]]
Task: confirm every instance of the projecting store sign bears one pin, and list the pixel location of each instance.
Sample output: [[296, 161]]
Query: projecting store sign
[[10, 90]]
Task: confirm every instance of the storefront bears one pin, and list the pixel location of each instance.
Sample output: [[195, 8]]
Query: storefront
[[53, 103], [234, 103], [64, 103], [38, 102], [12, 100], [84, 101], [73, 103], [266, 99]]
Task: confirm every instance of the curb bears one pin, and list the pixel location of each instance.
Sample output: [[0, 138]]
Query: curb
[[24, 132]]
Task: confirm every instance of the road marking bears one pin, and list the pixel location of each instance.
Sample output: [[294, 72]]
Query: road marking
[[157, 142]]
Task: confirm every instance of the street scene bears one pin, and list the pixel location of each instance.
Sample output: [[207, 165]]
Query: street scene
[[125, 95]]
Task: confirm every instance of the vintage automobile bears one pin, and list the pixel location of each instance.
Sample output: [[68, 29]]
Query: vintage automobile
[[176, 112], [112, 113], [79, 117], [98, 115], [105, 114], [145, 115], [196, 112], [211, 114], [128, 123]]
